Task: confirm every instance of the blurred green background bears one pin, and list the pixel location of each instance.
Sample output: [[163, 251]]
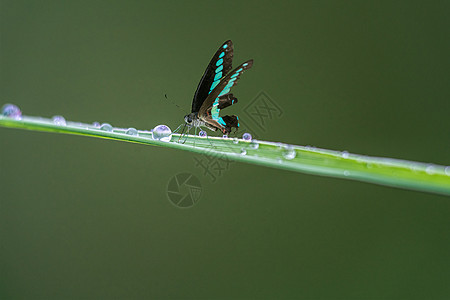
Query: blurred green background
[[86, 218]]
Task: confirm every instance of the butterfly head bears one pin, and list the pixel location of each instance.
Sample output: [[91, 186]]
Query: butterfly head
[[190, 118]]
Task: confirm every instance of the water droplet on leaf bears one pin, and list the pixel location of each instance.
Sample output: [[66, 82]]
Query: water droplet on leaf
[[162, 133], [11, 111], [247, 136], [59, 120], [345, 154], [202, 133], [243, 151], [106, 127], [235, 140], [132, 131], [289, 152], [254, 145], [430, 169], [447, 170]]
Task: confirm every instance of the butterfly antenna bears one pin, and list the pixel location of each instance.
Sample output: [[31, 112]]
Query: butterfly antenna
[[167, 98]]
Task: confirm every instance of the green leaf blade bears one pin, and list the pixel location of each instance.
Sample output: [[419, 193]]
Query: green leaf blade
[[378, 170]]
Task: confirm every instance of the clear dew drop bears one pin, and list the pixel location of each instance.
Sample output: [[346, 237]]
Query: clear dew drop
[[235, 140], [59, 120], [430, 169], [106, 127], [414, 168], [132, 131], [447, 170], [243, 151], [289, 152], [254, 145], [225, 136], [345, 154], [162, 133], [11, 111], [346, 173], [202, 133], [247, 136], [96, 124]]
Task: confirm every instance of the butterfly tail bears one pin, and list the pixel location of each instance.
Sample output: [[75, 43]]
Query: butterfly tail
[[229, 123]]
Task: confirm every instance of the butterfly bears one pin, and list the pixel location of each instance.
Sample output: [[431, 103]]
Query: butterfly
[[213, 92]]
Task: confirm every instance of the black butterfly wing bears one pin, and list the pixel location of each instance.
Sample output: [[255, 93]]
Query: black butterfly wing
[[220, 98], [227, 121], [218, 67], [227, 100]]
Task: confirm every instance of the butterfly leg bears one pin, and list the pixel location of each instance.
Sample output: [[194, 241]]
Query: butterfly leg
[[207, 137], [210, 143], [195, 135], [187, 134], [182, 131], [178, 128]]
